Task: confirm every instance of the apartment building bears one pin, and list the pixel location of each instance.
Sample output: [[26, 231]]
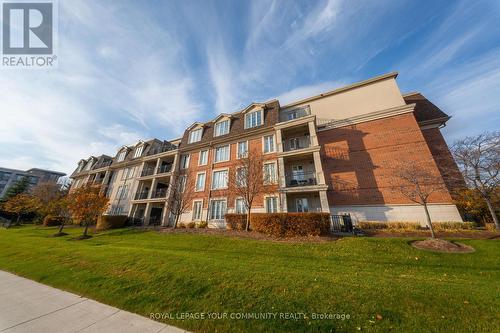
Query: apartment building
[[9, 177], [335, 152]]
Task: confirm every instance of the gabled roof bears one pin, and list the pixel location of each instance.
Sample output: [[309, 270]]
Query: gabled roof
[[222, 115], [195, 124], [425, 110], [248, 108]]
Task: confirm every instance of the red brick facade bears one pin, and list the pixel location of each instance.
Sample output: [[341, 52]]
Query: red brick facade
[[358, 160]]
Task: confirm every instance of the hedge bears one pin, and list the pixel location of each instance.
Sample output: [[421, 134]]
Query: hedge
[[236, 221], [52, 220], [105, 222], [372, 225], [283, 224]]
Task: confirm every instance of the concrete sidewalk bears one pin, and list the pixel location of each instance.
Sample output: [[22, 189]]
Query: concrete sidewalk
[[28, 306]]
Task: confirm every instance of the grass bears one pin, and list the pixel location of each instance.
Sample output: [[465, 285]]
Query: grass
[[145, 272]]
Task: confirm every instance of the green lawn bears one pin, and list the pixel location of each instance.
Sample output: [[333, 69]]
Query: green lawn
[[146, 272]]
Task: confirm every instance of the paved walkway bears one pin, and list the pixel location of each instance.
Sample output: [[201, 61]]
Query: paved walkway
[[28, 306]]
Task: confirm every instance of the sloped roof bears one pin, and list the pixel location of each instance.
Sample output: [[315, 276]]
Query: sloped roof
[[425, 110]]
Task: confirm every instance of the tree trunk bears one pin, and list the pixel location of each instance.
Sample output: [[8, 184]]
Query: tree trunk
[[85, 230], [176, 221], [61, 227], [429, 223], [493, 213], [248, 221], [18, 217]]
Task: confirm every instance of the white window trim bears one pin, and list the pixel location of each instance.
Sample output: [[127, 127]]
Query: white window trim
[[120, 157], [194, 130], [264, 144], [192, 210], [210, 207], [219, 122], [212, 179], [238, 149], [204, 181], [188, 157], [228, 155], [139, 149], [275, 171], [261, 118], [199, 157], [235, 206], [236, 175], [277, 201]]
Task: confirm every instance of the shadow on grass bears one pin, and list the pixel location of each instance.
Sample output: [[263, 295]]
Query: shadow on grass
[[59, 234], [79, 238]]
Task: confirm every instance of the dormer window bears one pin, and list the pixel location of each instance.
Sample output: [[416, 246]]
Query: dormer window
[[121, 155], [222, 127], [138, 151], [253, 119], [88, 166], [195, 135], [80, 166]]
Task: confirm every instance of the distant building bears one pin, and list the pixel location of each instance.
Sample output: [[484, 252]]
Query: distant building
[[9, 177]]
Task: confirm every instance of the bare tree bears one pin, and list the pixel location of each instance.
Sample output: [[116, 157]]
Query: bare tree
[[248, 180], [478, 158], [417, 183], [181, 194]]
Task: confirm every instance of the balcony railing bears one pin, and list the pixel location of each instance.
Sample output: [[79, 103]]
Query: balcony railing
[[161, 149], [160, 193], [296, 143], [297, 179], [164, 169], [147, 171], [102, 164], [141, 195], [291, 114]]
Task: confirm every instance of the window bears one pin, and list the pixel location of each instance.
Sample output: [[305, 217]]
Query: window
[[302, 205], [89, 165], [222, 128], [195, 135], [270, 173], [128, 173], [241, 177], [269, 144], [197, 209], [217, 209], [219, 179], [203, 160], [222, 154], [200, 182], [138, 151], [242, 149], [292, 115], [184, 161], [121, 155], [253, 119], [271, 204], [239, 206], [122, 192], [182, 183]]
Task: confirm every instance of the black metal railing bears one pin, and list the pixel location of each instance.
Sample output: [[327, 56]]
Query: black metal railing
[[296, 179], [141, 195], [161, 149], [296, 143], [160, 193], [342, 223], [164, 169], [148, 171]]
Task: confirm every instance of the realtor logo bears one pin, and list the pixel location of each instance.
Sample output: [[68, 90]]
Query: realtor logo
[[28, 31]]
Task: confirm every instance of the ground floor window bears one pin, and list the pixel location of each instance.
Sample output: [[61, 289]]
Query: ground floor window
[[197, 208], [272, 204], [240, 207], [218, 209]]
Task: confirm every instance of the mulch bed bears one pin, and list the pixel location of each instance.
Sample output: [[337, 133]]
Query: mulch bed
[[249, 235], [441, 245]]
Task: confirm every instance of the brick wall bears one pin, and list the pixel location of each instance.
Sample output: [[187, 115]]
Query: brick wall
[[358, 160]]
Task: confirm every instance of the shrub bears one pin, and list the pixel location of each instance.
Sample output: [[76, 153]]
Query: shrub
[[105, 222], [372, 225], [181, 226], [191, 225], [490, 226], [52, 220], [203, 224], [441, 226], [291, 224], [236, 221]]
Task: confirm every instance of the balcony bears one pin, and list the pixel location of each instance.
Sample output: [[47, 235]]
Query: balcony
[[147, 171], [161, 149], [141, 195], [159, 193], [296, 143], [164, 169], [291, 114], [297, 179]]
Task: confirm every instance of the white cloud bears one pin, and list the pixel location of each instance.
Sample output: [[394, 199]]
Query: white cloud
[[308, 91]]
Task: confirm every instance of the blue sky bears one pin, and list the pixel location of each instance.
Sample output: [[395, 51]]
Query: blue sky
[[142, 69]]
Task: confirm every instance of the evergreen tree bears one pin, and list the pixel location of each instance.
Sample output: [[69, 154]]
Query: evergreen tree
[[21, 186]]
